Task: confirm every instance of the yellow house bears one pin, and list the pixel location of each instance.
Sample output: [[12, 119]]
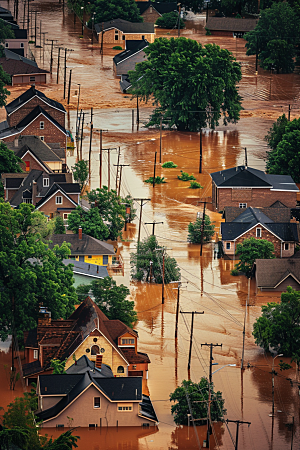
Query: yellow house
[[86, 248]]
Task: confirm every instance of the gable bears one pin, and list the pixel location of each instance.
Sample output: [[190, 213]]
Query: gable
[[52, 199]]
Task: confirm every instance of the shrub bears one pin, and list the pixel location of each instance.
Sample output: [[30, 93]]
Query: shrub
[[208, 32], [234, 272], [117, 47], [158, 180], [169, 165], [195, 185], [185, 176], [169, 20], [195, 230]]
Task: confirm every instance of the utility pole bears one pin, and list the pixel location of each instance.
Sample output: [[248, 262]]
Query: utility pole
[[160, 139], [100, 157], [289, 114], [58, 62], [35, 14], [121, 167], [153, 225], [90, 148], [154, 169], [163, 278], [118, 162], [191, 335], [211, 346], [177, 310], [101, 47], [77, 108], [200, 160], [142, 200], [238, 423], [51, 54], [246, 158], [108, 163], [81, 135], [179, 10], [65, 74], [69, 89], [44, 39], [244, 329], [202, 228]]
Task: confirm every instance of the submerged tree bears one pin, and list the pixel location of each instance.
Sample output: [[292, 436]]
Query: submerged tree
[[195, 230], [250, 250], [81, 173]]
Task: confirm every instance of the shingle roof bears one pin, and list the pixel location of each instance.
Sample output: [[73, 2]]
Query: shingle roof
[[121, 388], [86, 246], [84, 364], [28, 95], [34, 175], [34, 114], [135, 358], [125, 26], [87, 269], [39, 148], [160, 7], [116, 328], [55, 187], [18, 67], [242, 176], [230, 24], [132, 47], [281, 215], [13, 183], [25, 149], [59, 384], [271, 272]]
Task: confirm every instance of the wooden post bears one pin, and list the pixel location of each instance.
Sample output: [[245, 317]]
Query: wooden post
[[90, 148], [69, 89], [177, 311], [154, 170], [163, 278], [100, 168], [200, 160], [160, 139], [81, 135]]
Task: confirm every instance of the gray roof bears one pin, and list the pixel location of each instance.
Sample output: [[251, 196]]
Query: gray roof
[[34, 175], [277, 214], [84, 364], [28, 95], [242, 176], [125, 26], [37, 146], [132, 47], [271, 272], [230, 24], [85, 246], [250, 217], [89, 270]]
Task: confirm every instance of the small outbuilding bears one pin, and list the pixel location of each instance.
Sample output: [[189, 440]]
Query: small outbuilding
[[230, 26], [275, 275]]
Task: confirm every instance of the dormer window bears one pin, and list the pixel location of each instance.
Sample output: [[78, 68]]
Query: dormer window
[[258, 232], [45, 182], [21, 44], [6, 44], [127, 341]]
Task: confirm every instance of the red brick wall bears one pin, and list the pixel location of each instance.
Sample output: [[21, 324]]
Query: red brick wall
[[265, 234], [34, 164], [22, 112], [51, 207], [150, 17]]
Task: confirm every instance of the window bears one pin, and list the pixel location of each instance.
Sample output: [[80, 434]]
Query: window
[[96, 402], [134, 367], [92, 425], [60, 425], [27, 200], [31, 78], [35, 354], [116, 37], [42, 125], [58, 200], [89, 256], [21, 44], [242, 205], [123, 37], [66, 216], [151, 10], [127, 341], [95, 350], [258, 232], [227, 245], [105, 259], [143, 37], [120, 369], [45, 182], [125, 408], [27, 164], [286, 246], [42, 138], [6, 44]]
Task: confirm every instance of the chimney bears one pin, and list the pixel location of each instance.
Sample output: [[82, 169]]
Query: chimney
[[34, 192], [80, 233], [98, 362], [44, 317]]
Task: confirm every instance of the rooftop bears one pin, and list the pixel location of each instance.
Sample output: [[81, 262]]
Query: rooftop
[[230, 24], [270, 273], [160, 7], [28, 95], [132, 47], [125, 26], [85, 246]]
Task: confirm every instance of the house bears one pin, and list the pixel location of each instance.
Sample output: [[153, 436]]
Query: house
[[92, 397], [21, 70], [151, 11], [252, 222], [85, 248], [134, 53], [6, 15], [244, 186], [18, 44], [230, 26], [85, 273], [86, 332], [118, 31], [275, 275]]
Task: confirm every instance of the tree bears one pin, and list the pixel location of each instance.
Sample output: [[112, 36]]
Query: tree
[[9, 162], [58, 366], [192, 86], [195, 228], [30, 273], [5, 33], [130, 202], [150, 251], [275, 133], [59, 227], [250, 250], [169, 20], [275, 37], [116, 9], [198, 394], [189, 5], [81, 173], [278, 328], [111, 299], [104, 220], [4, 81]]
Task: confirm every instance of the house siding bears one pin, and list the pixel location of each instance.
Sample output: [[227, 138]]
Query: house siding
[[150, 15], [290, 281], [16, 43], [15, 117], [109, 37], [34, 164], [39, 78], [51, 207], [129, 64], [95, 259]]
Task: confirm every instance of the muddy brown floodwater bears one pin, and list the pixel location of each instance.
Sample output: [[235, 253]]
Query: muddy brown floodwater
[[207, 283]]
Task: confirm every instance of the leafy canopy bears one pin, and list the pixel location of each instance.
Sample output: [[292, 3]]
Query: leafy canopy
[[59, 227], [198, 396], [195, 230], [81, 172], [111, 299], [115, 9], [106, 217], [169, 20], [192, 86], [150, 251], [30, 273], [250, 250], [9, 162], [278, 328], [58, 366], [189, 5], [274, 38]]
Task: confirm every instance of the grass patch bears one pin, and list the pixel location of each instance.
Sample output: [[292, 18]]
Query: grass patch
[[169, 165], [185, 176], [158, 180]]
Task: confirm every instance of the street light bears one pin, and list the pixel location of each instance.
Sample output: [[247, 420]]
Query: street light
[[281, 354], [77, 125], [93, 19], [82, 30], [226, 365]]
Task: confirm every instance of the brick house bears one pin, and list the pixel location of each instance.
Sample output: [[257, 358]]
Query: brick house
[[244, 186], [252, 222], [151, 11], [275, 275], [117, 31], [86, 332], [19, 43], [230, 26], [125, 61], [93, 397], [22, 70]]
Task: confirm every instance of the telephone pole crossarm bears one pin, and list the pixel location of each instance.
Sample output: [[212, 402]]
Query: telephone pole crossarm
[[238, 423], [191, 335]]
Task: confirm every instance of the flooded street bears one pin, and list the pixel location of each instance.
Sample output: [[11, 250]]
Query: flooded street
[[206, 281]]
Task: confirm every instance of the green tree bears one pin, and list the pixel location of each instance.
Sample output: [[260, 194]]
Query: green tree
[[10, 437], [169, 20], [148, 262], [278, 328], [30, 273], [278, 129], [59, 227], [275, 37], [195, 228], [104, 220], [250, 250], [111, 299], [81, 173], [4, 81], [9, 162], [116, 9], [189, 5], [192, 86], [5, 33], [130, 202], [58, 366], [198, 394]]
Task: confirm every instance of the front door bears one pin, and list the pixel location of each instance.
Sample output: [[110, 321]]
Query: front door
[[81, 258]]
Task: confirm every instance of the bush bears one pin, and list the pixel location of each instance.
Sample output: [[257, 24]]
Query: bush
[[234, 272], [195, 185], [158, 180], [169, 165], [169, 20], [185, 176], [195, 229], [208, 32], [117, 47]]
